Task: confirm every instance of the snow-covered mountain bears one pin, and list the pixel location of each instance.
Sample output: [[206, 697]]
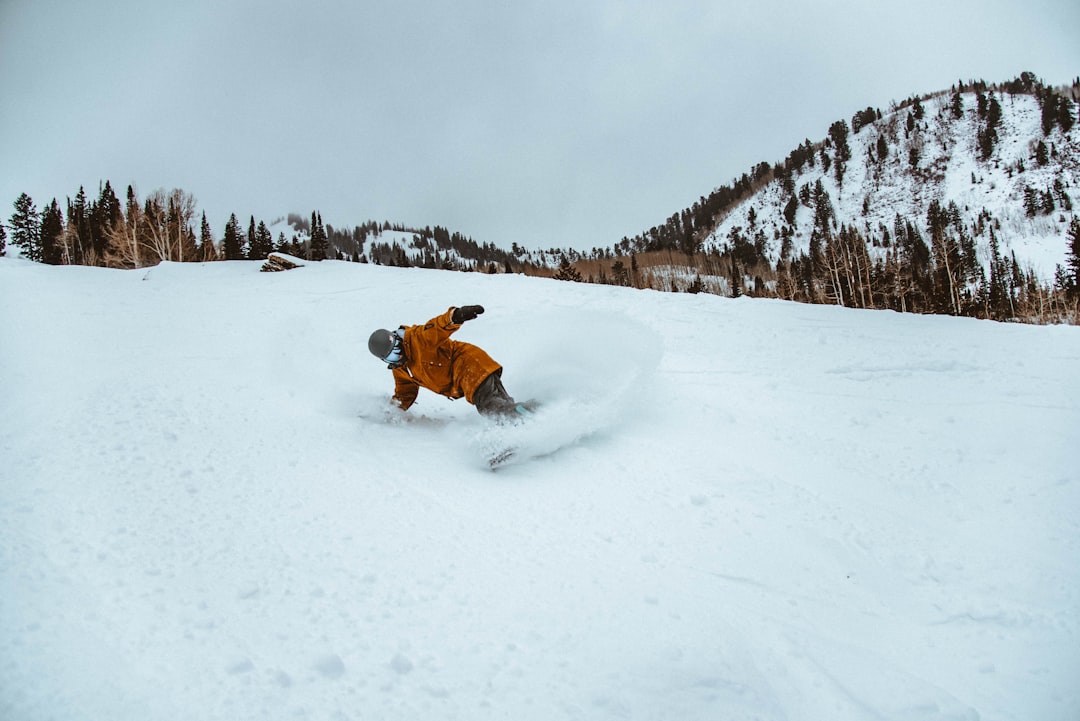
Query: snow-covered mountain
[[737, 509], [923, 152]]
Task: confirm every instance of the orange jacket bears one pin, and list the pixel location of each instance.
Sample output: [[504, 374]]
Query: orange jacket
[[434, 361]]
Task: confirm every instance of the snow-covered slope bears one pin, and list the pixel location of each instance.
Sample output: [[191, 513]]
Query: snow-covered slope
[[742, 510], [949, 169]]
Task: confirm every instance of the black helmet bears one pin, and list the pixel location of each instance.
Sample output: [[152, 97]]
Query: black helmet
[[386, 346]]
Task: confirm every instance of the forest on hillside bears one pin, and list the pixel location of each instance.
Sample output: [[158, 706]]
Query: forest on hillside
[[919, 259]]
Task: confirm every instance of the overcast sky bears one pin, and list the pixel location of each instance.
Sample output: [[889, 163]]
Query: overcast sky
[[543, 122]]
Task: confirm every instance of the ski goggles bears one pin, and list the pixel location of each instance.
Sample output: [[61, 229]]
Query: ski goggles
[[396, 357]]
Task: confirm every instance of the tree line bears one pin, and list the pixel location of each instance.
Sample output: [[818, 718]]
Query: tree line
[[103, 231], [933, 273]]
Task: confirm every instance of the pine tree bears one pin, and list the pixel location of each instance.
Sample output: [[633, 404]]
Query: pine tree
[[231, 244], [1073, 256], [3, 241], [26, 227], [997, 298], [262, 243], [1049, 106], [567, 271], [736, 280], [1042, 155], [207, 249], [251, 249], [319, 241], [79, 220], [104, 215], [988, 137], [838, 133], [957, 105], [52, 230], [824, 213], [790, 209], [1066, 117], [619, 273]]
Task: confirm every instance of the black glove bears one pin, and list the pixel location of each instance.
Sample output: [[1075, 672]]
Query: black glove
[[467, 312]]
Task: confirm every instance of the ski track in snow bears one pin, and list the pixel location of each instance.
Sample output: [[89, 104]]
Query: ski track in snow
[[736, 509]]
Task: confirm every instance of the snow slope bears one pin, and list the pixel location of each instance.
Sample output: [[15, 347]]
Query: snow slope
[[756, 509]]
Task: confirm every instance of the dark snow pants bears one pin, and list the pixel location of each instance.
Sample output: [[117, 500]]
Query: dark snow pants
[[491, 399]]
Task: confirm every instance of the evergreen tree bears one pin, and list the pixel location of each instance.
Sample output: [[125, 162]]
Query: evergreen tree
[[988, 137], [863, 118], [824, 213], [1032, 202], [619, 274], [262, 243], [79, 220], [1042, 155], [1049, 103], [3, 241], [1073, 256], [838, 133], [957, 105], [26, 227], [998, 294], [320, 244], [250, 245], [105, 214], [1066, 114], [231, 244], [790, 209], [915, 266], [52, 230], [736, 280], [567, 271], [207, 249]]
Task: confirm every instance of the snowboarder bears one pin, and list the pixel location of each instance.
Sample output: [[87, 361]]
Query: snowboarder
[[425, 356]]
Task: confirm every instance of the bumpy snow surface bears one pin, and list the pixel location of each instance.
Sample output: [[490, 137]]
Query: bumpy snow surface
[[724, 510]]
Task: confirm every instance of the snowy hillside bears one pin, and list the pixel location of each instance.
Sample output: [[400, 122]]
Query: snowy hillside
[[739, 509], [881, 182], [382, 244]]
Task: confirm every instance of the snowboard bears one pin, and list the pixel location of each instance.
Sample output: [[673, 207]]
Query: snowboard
[[504, 451]]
